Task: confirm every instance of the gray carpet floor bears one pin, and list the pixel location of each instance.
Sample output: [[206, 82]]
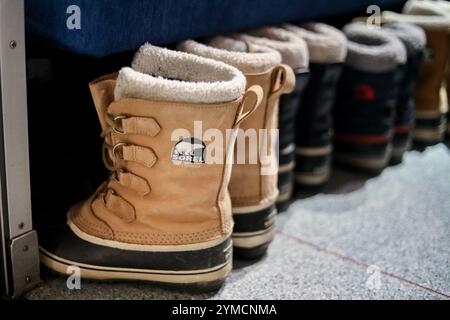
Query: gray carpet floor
[[382, 237]]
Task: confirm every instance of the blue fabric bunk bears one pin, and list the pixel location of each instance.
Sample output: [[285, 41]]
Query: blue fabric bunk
[[111, 26]]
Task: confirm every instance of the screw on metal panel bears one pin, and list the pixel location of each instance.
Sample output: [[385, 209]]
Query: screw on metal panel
[[25, 248], [27, 279], [21, 225], [13, 44]]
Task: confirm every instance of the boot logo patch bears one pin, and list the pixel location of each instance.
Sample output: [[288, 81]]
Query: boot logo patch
[[189, 150], [364, 92]]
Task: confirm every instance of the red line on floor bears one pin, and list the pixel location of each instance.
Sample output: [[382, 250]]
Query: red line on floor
[[360, 263]]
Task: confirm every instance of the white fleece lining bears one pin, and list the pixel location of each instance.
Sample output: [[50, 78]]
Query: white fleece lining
[[248, 58], [425, 8], [412, 36], [293, 49], [373, 50], [424, 21], [326, 44], [167, 75]]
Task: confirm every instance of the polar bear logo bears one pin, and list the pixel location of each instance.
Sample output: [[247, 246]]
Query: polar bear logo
[[190, 150], [187, 149]]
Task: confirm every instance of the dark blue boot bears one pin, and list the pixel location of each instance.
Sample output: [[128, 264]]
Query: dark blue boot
[[414, 40], [327, 48], [367, 94]]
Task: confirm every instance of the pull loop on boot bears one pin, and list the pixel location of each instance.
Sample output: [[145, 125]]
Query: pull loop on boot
[[246, 108]]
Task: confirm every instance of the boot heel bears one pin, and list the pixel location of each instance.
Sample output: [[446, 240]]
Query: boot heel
[[253, 232]]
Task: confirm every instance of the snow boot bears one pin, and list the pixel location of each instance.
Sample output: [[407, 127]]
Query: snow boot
[[294, 53], [367, 92], [253, 185], [430, 96], [164, 215], [327, 51], [414, 40], [437, 8]]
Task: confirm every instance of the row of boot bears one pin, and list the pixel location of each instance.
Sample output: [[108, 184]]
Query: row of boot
[[198, 166]]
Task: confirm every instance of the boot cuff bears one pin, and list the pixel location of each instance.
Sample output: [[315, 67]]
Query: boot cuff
[[373, 50], [426, 8], [326, 44], [432, 22], [413, 37], [293, 49], [167, 75], [247, 57]]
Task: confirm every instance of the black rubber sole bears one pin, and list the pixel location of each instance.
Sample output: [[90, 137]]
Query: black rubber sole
[[195, 288], [195, 269], [253, 232], [429, 132], [361, 170], [396, 160], [251, 253], [283, 206], [255, 221]]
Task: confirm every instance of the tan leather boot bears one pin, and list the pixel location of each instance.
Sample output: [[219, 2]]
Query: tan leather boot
[[435, 8], [429, 97], [164, 215], [253, 185], [294, 53]]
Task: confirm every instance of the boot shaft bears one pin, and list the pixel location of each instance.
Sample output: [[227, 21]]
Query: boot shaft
[[428, 102], [169, 180], [370, 83], [252, 183], [294, 53], [328, 49], [289, 109], [367, 95], [432, 72], [315, 115], [414, 40], [365, 102]]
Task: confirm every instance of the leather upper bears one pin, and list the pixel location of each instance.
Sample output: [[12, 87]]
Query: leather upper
[[432, 72], [248, 186], [152, 199]]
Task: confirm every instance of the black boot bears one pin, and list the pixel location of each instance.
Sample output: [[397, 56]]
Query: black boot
[[414, 40], [327, 48], [364, 110]]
